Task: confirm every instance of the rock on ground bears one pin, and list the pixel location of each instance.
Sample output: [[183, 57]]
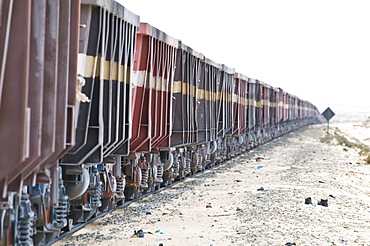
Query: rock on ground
[[257, 198]]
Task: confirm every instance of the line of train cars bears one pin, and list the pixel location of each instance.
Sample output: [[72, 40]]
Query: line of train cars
[[97, 107]]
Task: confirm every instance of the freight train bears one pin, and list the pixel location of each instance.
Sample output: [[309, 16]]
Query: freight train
[[97, 108]]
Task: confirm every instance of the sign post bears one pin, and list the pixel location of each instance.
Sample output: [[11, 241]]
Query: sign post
[[328, 114]]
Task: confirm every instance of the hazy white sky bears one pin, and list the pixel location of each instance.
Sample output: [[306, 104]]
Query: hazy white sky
[[318, 50]]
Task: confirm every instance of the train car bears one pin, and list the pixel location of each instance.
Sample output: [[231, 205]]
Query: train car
[[280, 111], [92, 173], [152, 89], [293, 112], [37, 115], [253, 115], [240, 113], [286, 111], [274, 101], [102, 108], [258, 117], [195, 108], [194, 89], [224, 117]]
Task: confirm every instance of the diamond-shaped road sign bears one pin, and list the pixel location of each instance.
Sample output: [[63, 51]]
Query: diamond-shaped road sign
[[328, 114]]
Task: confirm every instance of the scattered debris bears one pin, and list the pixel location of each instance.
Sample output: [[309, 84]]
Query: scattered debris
[[259, 167], [159, 231], [323, 202], [138, 234], [290, 244], [219, 215], [308, 200], [268, 216]]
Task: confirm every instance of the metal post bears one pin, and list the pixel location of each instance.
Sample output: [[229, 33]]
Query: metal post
[[327, 128]]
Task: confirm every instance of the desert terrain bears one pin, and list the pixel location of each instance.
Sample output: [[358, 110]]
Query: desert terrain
[[295, 190]]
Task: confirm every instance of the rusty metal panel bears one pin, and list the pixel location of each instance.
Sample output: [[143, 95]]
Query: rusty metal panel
[[43, 82], [89, 122], [285, 113], [59, 81], [5, 24], [266, 104], [300, 109], [33, 103], [229, 78], [304, 107], [240, 104], [211, 77], [191, 73], [258, 111], [286, 106], [252, 105], [274, 106], [224, 101], [280, 106], [236, 105], [106, 50], [153, 82], [296, 108], [14, 113], [120, 40], [205, 84], [63, 18], [293, 108], [75, 9], [207, 109]]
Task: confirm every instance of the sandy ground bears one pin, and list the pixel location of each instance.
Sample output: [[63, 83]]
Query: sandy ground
[[257, 198], [354, 131]]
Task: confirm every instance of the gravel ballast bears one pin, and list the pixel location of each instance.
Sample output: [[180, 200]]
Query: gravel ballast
[[268, 196]]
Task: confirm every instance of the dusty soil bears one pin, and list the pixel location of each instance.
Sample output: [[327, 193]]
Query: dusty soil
[[257, 198]]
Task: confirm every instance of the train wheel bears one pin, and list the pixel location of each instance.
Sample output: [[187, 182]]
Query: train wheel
[[107, 204], [181, 176], [132, 193], [16, 222], [104, 204], [167, 179], [6, 225], [121, 202], [69, 225], [137, 193], [129, 193]]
